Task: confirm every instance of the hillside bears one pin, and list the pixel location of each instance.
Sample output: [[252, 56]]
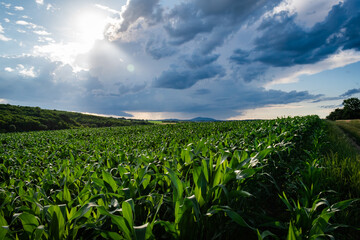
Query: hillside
[[23, 119]]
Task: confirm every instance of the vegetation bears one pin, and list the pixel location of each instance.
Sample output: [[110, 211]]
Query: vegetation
[[351, 110], [342, 172], [220, 180], [23, 119], [351, 127]]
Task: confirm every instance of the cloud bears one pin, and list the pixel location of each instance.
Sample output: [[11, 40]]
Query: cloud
[[40, 2], [42, 33], [19, 8], [284, 43], [2, 36], [6, 5], [240, 57], [215, 20], [350, 92], [197, 60], [182, 79], [158, 48], [331, 106], [50, 7], [25, 23], [202, 91], [106, 8], [149, 10], [185, 22], [322, 99]]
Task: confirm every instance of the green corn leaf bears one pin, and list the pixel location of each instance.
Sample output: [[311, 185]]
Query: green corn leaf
[[176, 183], [3, 227], [111, 235], [109, 179], [29, 222], [40, 230], [66, 194], [57, 224], [82, 211], [128, 213], [293, 233], [119, 221], [169, 228], [237, 218], [196, 206]]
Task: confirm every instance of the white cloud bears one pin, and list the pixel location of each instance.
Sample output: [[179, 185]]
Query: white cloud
[[308, 12], [28, 24], [65, 53], [21, 22], [3, 101], [2, 37], [107, 9], [40, 2], [26, 72], [7, 20], [19, 8], [50, 7], [6, 5], [42, 32], [8, 69]]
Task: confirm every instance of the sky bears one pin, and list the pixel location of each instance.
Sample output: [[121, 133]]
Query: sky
[[160, 59]]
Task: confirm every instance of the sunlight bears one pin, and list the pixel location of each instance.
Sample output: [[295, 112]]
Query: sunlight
[[89, 27]]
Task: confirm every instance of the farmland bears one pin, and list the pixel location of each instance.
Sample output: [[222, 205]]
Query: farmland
[[221, 180]]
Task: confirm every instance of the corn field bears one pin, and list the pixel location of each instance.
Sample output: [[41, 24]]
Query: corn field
[[223, 180]]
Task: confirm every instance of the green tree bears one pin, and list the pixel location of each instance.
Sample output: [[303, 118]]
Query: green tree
[[351, 110]]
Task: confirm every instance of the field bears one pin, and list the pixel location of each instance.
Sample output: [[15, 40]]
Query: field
[[223, 180], [351, 127]]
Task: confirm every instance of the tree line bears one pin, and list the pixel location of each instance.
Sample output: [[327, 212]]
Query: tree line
[[351, 110], [23, 119]]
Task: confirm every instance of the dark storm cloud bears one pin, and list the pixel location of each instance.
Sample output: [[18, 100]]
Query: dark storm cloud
[[350, 92], [197, 60], [182, 79], [185, 21], [135, 9], [202, 91], [159, 49], [323, 99], [284, 43], [215, 19], [240, 57]]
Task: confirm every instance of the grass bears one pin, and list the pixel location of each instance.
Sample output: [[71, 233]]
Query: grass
[[351, 127], [343, 161], [341, 164]]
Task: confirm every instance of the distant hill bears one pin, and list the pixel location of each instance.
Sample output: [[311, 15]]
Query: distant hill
[[197, 119], [203, 119], [23, 119]]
